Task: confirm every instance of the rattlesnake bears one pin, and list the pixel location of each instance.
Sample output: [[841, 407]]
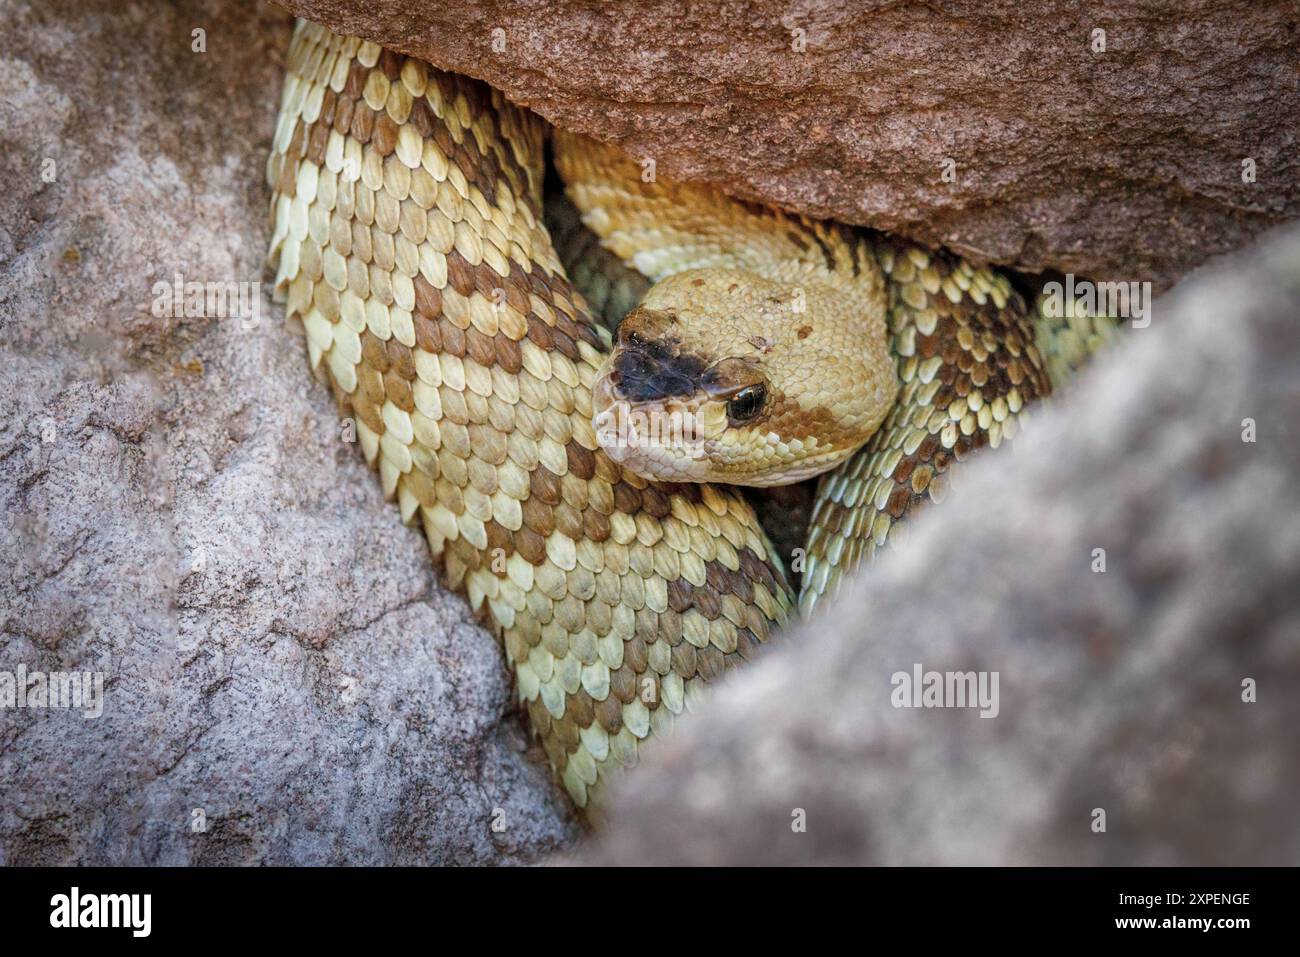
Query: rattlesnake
[[408, 239]]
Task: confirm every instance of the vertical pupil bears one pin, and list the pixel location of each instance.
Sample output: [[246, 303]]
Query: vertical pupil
[[746, 403]]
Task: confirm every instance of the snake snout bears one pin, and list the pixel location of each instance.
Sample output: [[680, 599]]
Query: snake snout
[[654, 370]]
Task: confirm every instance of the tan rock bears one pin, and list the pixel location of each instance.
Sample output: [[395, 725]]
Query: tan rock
[[1123, 164]]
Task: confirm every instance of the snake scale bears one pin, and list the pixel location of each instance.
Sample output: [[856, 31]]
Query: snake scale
[[408, 239]]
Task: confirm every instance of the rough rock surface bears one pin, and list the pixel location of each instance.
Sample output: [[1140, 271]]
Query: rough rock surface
[[181, 510], [1124, 164], [1119, 690]]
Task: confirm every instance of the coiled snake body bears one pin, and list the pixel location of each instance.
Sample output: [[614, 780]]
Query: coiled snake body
[[408, 239]]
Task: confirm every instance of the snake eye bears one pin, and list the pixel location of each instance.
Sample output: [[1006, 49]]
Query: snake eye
[[746, 403]]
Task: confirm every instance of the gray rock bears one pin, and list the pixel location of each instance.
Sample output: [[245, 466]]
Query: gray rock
[[1120, 691], [183, 513]]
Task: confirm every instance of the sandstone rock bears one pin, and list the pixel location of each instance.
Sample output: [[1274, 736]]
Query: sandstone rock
[[183, 513], [1125, 164], [1120, 691]]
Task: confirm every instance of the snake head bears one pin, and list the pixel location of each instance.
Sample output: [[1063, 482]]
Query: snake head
[[721, 375]]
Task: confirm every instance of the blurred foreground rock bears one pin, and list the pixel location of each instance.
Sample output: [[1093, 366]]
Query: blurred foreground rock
[[1108, 139], [1120, 691]]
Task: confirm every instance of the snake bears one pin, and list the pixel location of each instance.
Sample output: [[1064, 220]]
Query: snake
[[621, 567]]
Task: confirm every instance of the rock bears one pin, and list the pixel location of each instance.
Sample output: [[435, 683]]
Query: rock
[[284, 681], [1120, 690], [1122, 164]]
